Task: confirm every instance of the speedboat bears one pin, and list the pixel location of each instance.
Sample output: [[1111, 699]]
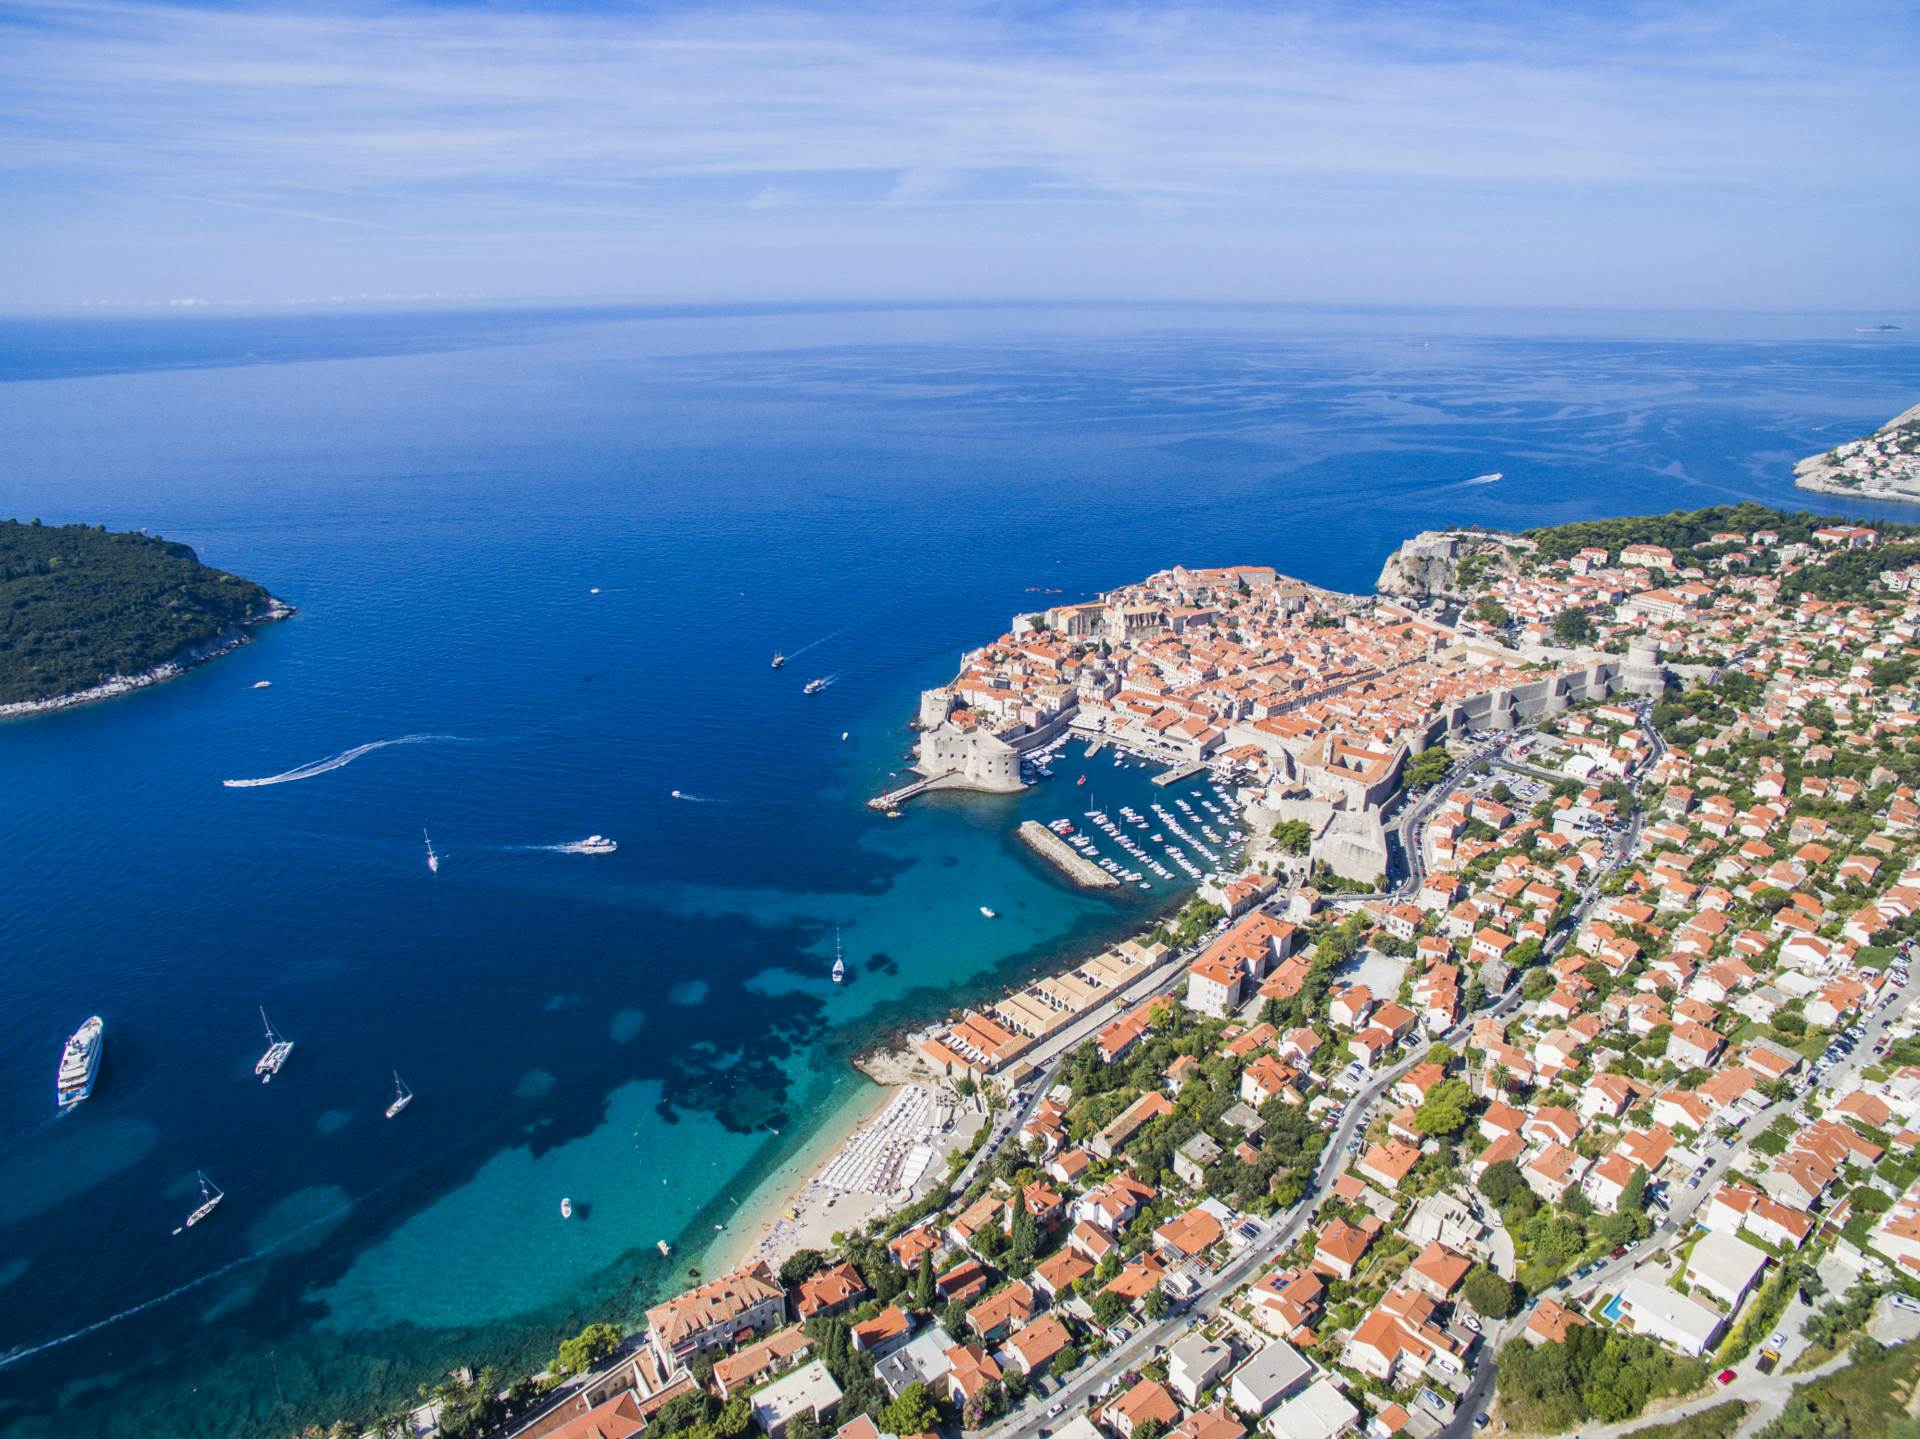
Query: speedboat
[[566, 1209], [813, 687], [778, 659], [988, 913], [80, 1063]]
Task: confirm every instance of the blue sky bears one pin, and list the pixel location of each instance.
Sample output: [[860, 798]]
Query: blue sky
[[1730, 156]]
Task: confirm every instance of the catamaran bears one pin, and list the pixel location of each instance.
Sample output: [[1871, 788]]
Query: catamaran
[[210, 1197], [402, 1096], [278, 1050], [433, 860], [80, 1063], [839, 963]]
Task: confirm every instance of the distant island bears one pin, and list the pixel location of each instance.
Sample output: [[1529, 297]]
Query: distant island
[[87, 613], [1883, 466]]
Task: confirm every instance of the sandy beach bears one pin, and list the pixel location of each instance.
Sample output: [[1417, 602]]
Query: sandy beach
[[870, 1156]]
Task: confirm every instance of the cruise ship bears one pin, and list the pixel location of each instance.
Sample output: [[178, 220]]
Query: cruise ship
[[80, 1062]]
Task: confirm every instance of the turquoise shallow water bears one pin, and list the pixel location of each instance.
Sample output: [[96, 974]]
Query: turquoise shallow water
[[440, 495]]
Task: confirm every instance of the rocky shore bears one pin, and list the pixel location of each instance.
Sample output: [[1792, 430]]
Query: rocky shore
[[225, 642]]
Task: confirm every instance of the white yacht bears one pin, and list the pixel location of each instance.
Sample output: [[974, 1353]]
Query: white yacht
[[839, 963], [595, 844], [80, 1062], [988, 913]]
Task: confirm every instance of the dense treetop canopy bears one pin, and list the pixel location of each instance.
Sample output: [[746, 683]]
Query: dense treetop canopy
[[80, 605]]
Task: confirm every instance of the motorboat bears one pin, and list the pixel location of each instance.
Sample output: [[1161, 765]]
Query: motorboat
[[80, 1062], [595, 844], [566, 1208], [778, 659], [813, 687], [988, 913]]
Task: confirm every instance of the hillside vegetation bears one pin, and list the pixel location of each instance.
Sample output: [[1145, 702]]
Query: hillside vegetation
[[80, 605]]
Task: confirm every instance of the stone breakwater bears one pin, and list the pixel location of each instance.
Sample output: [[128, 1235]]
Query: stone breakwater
[[1076, 867]]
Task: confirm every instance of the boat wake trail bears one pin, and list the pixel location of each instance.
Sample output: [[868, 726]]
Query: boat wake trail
[[814, 644], [1492, 479], [332, 762], [693, 798]]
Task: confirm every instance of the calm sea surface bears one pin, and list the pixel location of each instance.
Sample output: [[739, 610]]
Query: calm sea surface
[[869, 490]]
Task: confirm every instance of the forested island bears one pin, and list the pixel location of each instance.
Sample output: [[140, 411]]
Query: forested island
[[86, 613]]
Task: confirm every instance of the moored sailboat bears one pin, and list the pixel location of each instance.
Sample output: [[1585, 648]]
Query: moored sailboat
[[402, 1096], [433, 860], [278, 1050], [210, 1197]]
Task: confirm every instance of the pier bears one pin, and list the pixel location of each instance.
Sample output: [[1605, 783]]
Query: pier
[[1075, 866], [1174, 776], [894, 798]]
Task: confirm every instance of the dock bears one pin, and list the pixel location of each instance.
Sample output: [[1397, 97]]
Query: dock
[[1174, 776], [1081, 870], [893, 798]]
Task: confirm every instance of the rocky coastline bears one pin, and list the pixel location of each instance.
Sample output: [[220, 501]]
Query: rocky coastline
[[225, 642]]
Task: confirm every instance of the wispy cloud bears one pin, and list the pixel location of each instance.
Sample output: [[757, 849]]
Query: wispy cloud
[[1219, 131]]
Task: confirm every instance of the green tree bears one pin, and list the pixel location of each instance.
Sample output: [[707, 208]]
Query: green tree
[[1572, 627], [1156, 1304], [914, 1412], [1491, 1296], [1426, 769], [1444, 1110], [800, 1266], [589, 1347], [1500, 1182], [923, 1283], [1025, 1240], [1294, 836]]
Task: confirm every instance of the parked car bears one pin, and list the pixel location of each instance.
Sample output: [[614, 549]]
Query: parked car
[[1777, 1340], [1726, 1376]]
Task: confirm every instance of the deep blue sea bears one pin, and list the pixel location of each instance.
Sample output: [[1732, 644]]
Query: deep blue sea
[[871, 490]]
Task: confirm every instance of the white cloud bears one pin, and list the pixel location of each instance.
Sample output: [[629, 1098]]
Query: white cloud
[[487, 125]]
